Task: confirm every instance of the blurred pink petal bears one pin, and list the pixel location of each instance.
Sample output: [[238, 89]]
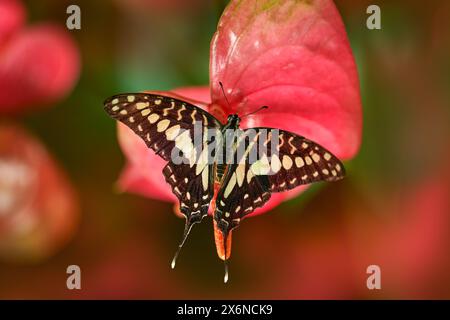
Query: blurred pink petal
[[12, 17], [407, 240], [39, 65], [130, 264], [143, 172], [293, 57], [412, 246], [38, 207]]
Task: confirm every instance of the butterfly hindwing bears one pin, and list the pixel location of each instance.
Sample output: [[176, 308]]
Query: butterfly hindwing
[[241, 191], [239, 195], [194, 191]]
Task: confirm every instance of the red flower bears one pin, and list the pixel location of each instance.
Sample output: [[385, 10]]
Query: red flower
[[38, 64], [293, 57], [38, 208]]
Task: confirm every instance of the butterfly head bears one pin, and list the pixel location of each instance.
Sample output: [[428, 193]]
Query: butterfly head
[[233, 121]]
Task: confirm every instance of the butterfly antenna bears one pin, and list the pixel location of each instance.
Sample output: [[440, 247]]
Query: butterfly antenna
[[187, 229], [223, 91], [253, 112]]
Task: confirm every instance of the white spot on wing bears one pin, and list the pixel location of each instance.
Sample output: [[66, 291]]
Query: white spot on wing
[[142, 105], [275, 163], [172, 132], [261, 167], [230, 185], [240, 174], [153, 118], [299, 162], [287, 162], [205, 179], [250, 175], [308, 160], [315, 157], [162, 125]]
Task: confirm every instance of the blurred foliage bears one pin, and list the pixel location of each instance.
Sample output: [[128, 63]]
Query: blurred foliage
[[125, 242]]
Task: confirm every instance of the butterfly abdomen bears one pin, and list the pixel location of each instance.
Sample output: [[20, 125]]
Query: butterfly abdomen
[[221, 169]]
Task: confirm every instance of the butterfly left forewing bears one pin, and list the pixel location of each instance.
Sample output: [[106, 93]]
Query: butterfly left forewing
[[170, 127], [159, 120]]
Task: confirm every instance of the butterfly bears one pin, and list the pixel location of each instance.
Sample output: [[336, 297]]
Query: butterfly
[[211, 164]]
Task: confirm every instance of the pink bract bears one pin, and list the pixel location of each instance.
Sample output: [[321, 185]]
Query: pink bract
[[293, 56]]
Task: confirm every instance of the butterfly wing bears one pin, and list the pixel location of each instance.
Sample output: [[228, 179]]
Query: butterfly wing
[[194, 191], [287, 160], [178, 132], [299, 161], [160, 120]]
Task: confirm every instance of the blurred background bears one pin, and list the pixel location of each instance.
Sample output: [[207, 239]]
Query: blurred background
[[60, 160]]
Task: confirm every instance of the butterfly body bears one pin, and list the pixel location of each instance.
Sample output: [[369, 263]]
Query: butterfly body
[[210, 164], [231, 125]]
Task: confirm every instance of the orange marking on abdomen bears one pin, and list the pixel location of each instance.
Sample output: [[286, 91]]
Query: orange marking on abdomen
[[219, 239], [212, 204]]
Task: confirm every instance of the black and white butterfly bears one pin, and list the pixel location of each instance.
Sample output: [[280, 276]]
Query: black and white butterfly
[[170, 127]]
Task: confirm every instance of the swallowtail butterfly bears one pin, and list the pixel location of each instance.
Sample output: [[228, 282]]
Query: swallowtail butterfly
[[212, 172]]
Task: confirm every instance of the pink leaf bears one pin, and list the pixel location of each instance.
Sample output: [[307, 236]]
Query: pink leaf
[[293, 56]]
